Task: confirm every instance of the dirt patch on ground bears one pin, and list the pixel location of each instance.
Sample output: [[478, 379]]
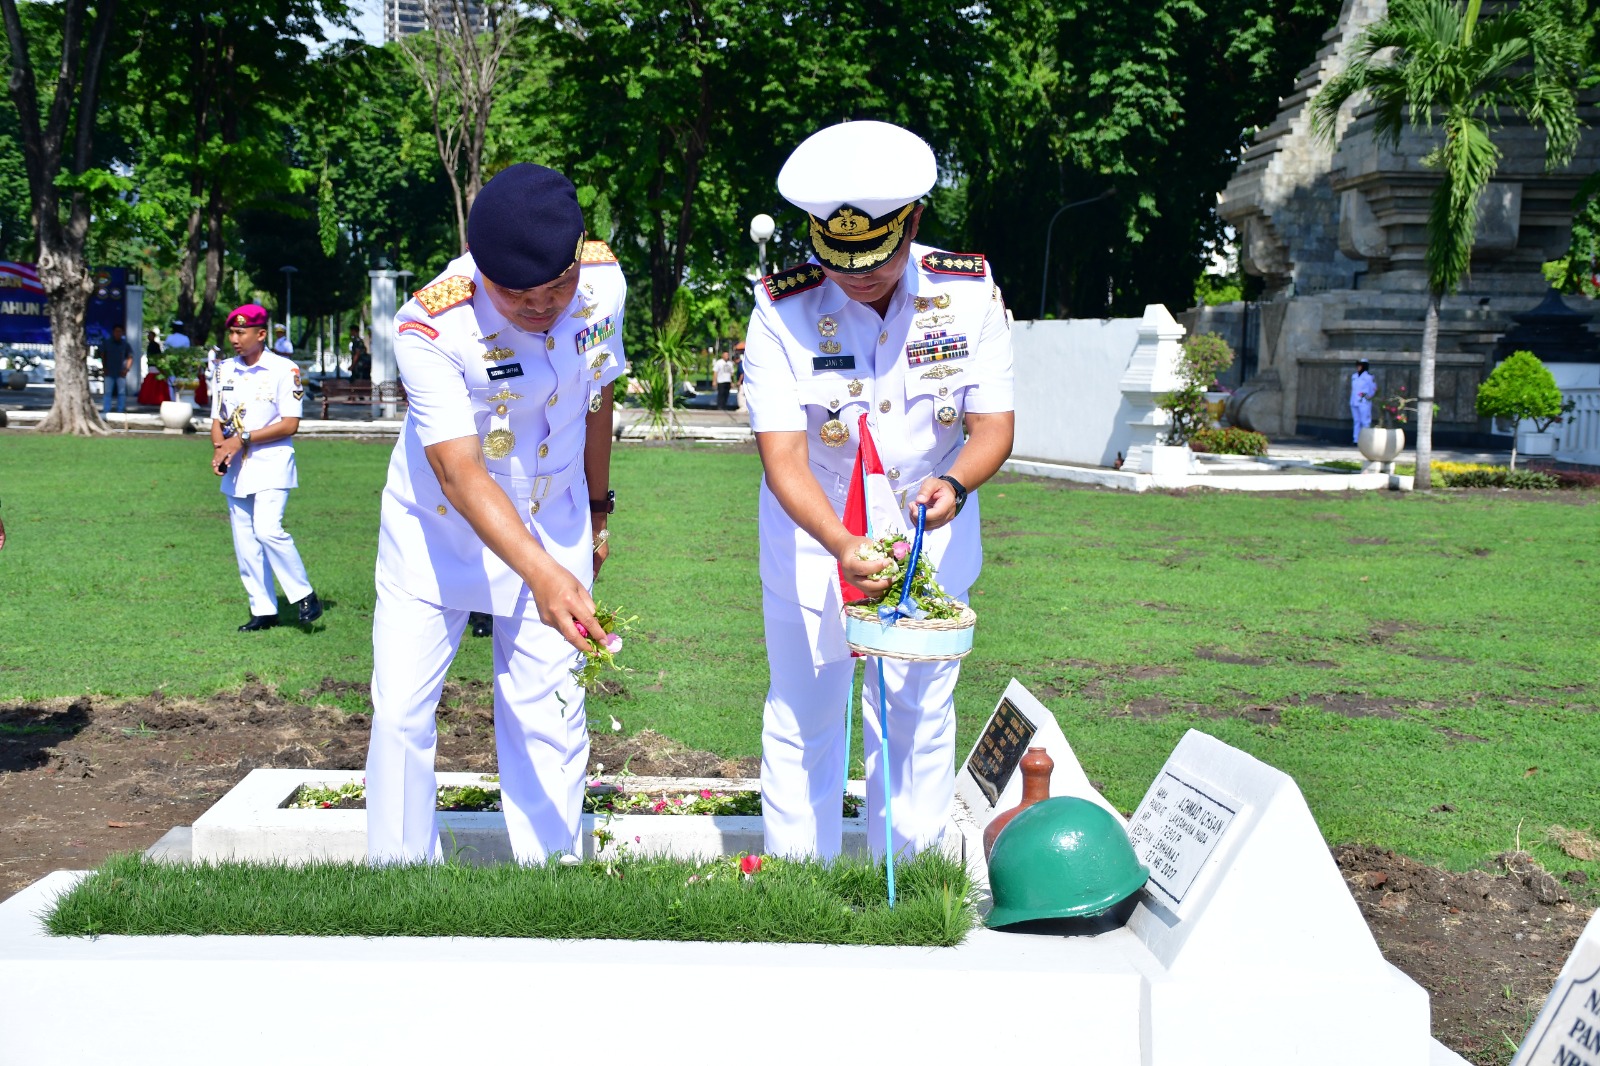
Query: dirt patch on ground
[[82, 778], [1487, 945]]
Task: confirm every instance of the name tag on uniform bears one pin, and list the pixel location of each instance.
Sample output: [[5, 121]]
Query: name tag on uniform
[[510, 370], [833, 362], [937, 347], [598, 333]]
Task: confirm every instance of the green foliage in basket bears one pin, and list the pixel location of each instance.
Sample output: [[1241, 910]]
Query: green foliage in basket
[[926, 593], [1229, 440]]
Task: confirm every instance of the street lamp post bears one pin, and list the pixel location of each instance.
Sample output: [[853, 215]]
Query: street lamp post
[[288, 300], [761, 229], [1044, 282]]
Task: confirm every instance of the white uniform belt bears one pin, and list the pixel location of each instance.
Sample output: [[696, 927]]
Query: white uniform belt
[[836, 486], [524, 490]]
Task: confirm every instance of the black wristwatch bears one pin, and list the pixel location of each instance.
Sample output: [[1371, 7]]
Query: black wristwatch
[[961, 491], [605, 506]]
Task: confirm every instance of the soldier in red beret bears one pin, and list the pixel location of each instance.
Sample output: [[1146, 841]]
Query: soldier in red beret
[[255, 411]]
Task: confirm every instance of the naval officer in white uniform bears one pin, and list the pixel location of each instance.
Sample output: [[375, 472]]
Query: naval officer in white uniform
[[255, 411], [918, 339], [497, 500]]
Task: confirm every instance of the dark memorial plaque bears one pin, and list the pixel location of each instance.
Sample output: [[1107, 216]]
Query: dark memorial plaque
[[1001, 747]]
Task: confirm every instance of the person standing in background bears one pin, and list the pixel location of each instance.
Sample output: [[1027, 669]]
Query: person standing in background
[[360, 359], [281, 344], [1362, 389], [116, 361], [722, 374]]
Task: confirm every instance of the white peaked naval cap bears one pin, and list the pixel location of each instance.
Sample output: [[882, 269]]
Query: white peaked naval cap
[[874, 167]]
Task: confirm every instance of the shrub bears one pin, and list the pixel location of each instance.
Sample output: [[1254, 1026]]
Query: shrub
[[1230, 440], [1574, 479], [1521, 388], [1499, 477], [1205, 355]]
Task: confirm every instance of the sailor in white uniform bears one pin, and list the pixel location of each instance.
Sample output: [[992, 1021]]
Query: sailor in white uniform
[[255, 411], [497, 501], [918, 339], [1362, 389]]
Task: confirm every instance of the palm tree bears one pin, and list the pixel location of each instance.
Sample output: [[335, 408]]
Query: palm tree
[[1433, 62]]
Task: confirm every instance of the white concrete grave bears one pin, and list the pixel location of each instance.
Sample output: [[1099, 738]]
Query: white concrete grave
[[1567, 1031], [1258, 941]]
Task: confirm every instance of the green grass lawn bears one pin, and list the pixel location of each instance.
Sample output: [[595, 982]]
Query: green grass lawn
[[1398, 654]]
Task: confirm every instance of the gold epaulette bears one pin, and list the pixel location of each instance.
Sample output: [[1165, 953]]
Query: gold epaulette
[[795, 279], [596, 252], [445, 293], [963, 264]]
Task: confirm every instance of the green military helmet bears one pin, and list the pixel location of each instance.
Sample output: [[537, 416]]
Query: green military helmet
[[1061, 858]]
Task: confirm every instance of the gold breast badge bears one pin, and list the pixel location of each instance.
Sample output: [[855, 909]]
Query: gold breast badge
[[827, 326], [941, 371], [855, 387], [494, 355], [506, 394], [933, 321], [834, 433], [585, 311], [942, 300], [497, 443], [946, 416], [921, 303], [829, 347], [594, 403], [487, 337], [599, 360]]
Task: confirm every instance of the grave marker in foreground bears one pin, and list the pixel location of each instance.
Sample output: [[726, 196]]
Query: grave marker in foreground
[[1567, 1031]]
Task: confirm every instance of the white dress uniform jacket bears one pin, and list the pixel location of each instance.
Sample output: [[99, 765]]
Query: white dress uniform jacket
[[258, 396], [469, 373], [814, 356]]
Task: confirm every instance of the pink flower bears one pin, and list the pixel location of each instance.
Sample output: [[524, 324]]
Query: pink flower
[[900, 549], [705, 793], [660, 805], [677, 801], [582, 632], [750, 865], [636, 840], [613, 643]]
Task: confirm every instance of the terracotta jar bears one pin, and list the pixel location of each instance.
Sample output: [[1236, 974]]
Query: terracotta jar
[[1036, 767]]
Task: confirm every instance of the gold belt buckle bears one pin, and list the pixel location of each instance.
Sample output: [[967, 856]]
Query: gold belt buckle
[[541, 489]]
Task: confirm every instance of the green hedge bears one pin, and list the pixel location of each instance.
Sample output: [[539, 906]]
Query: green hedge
[[1230, 440]]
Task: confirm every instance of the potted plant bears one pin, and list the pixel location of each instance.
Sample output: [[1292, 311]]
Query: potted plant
[[1523, 389], [1383, 442], [175, 364]]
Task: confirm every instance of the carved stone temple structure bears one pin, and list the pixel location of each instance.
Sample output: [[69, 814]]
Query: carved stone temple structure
[[1338, 235]]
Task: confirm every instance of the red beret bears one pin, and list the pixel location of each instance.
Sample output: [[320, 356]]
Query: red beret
[[248, 315]]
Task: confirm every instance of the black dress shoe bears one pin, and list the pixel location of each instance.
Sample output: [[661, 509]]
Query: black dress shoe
[[482, 624], [310, 609], [258, 622]]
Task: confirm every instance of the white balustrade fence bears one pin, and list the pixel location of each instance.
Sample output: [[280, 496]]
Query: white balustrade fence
[[1578, 441]]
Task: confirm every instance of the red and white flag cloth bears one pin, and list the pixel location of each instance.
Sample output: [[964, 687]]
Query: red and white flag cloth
[[870, 509], [24, 276]]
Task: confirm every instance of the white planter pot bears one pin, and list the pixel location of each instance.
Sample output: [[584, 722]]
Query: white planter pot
[[1380, 445], [1536, 443], [175, 416]]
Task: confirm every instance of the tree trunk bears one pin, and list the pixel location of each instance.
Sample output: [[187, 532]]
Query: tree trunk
[[1516, 424], [67, 283], [208, 303], [1425, 373]]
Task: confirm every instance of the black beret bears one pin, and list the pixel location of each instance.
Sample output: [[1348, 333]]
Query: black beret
[[526, 227]]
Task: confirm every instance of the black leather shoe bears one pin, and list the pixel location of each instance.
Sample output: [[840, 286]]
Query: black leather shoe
[[259, 622], [482, 624], [310, 609]]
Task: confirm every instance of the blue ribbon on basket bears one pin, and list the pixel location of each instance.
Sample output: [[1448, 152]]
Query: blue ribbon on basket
[[905, 608]]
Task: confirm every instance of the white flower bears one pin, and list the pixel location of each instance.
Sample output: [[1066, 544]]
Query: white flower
[[616, 726]]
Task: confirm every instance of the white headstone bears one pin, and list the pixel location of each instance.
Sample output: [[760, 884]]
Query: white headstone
[[1567, 1031], [989, 781], [1248, 916]]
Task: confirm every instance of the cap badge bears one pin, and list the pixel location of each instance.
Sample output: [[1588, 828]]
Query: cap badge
[[855, 387], [497, 444], [829, 347], [827, 326], [834, 433], [238, 320]]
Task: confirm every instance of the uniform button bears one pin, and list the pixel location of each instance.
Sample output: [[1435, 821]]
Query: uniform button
[[597, 375], [883, 338], [944, 390], [544, 450], [554, 396], [533, 508], [894, 473], [549, 344], [884, 406], [500, 410], [442, 509]]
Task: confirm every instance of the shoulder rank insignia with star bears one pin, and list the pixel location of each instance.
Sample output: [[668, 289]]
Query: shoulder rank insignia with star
[[963, 264], [795, 279], [445, 294], [596, 252]]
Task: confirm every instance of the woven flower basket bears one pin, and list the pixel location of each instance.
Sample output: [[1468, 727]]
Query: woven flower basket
[[926, 640]]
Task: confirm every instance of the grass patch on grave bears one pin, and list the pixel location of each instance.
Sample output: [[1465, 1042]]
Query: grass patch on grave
[[784, 902]]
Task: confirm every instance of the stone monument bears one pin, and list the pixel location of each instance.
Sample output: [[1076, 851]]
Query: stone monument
[[1338, 236]]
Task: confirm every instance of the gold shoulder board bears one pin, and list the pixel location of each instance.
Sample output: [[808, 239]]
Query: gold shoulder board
[[445, 294], [795, 279], [596, 252], [962, 264]]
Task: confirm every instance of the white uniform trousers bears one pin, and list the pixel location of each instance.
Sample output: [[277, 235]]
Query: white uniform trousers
[[1361, 415], [803, 738], [540, 734], [264, 548]]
